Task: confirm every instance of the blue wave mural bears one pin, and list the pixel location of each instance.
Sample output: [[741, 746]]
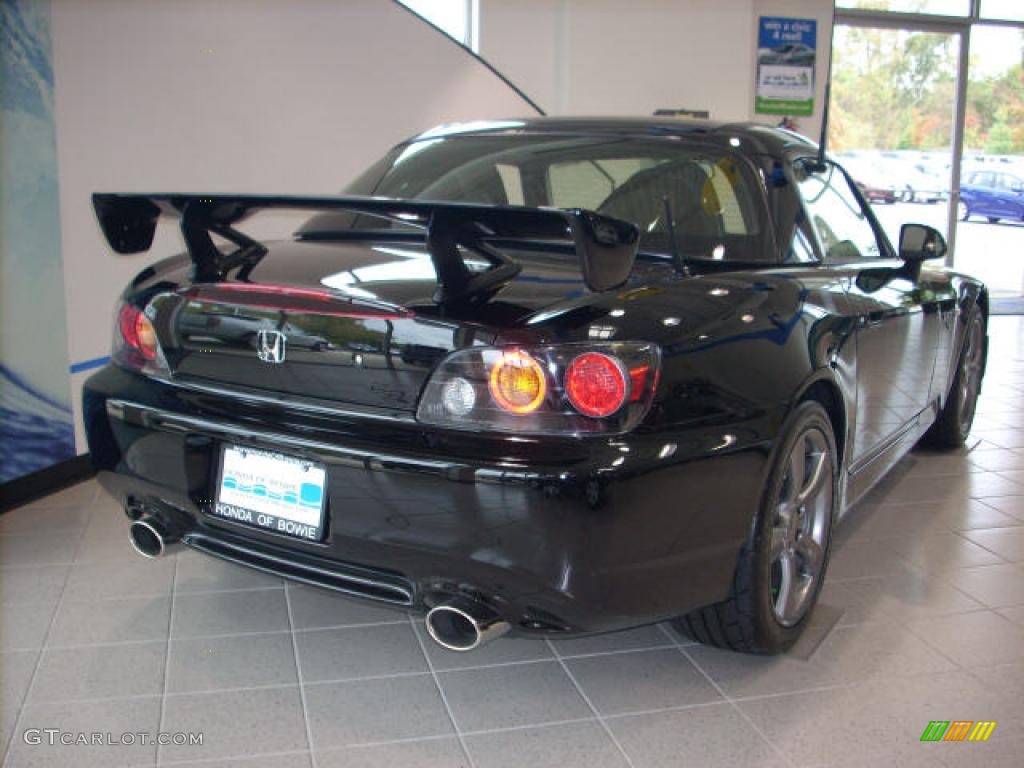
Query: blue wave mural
[[35, 432], [35, 414]]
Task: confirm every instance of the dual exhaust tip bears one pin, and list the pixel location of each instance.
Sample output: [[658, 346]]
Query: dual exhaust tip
[[459, 624], [463, 624], [151, 537]]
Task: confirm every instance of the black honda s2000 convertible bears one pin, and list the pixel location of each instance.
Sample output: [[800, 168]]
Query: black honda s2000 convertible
[[555, 376]]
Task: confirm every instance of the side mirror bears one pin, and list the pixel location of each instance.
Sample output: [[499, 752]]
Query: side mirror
[[919, 243]]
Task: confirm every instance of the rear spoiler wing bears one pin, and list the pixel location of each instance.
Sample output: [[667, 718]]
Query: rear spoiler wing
[[606, 247]]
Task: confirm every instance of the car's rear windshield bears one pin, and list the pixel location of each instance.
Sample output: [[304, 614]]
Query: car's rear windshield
[[711, 194]]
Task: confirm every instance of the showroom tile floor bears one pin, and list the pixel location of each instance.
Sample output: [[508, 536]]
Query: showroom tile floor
[[927, 574]]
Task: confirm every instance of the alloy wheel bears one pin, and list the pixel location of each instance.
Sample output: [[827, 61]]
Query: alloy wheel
[[970, 373], [961, 212], [800, 534]]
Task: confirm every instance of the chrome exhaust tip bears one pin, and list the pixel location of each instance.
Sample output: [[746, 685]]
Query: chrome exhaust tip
[[150, 537], [461, 624]]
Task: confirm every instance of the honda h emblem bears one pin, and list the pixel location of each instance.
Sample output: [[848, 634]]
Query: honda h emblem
[[270, 346]]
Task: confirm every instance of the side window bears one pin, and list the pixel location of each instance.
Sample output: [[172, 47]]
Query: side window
[[1008, 182], [984, 179], [512, 181], [836, 216]]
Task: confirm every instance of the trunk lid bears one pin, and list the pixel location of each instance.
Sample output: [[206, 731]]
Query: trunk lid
[[306, 323]]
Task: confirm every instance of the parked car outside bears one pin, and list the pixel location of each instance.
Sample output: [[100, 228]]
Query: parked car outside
[[991, 193], [872, 179], [912, 179]]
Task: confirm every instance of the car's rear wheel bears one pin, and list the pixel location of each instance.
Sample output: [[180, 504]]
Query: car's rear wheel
[[962, 211], [993, 219], [953, 424], [782, 566]]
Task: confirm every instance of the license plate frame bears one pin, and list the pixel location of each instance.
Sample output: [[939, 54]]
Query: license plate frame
[[285, 507]]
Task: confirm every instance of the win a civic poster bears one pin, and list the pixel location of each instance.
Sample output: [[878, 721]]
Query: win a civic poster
[[785, 66]]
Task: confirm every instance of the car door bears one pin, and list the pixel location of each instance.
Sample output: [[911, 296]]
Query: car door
[[981, 198], [897, 331], [998, 199], [1011, 200], [1017, 188], [995, 196]]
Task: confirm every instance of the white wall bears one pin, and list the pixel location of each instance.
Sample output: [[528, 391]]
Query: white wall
[[234, 96], [630, 57]]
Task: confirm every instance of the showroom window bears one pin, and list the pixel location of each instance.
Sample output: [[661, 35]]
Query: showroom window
[[459, 19], [1010, 10], [926, 114], [940, 7]]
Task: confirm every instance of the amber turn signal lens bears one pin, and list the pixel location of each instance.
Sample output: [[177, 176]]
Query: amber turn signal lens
[[146, 334], [517, 382]]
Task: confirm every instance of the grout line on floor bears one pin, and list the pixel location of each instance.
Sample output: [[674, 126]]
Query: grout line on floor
[[923, 637], [298, 675], [600, 719], [236, 758], [440, 690], [167, 652], [42, 649], [218, 636], [476, 732], [962, 535], [309, 683], [721, 692]]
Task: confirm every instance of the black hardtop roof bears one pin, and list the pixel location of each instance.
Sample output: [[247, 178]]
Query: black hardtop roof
[[758, 137]]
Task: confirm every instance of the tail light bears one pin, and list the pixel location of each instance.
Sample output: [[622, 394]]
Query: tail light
[[517, 382], [136, 344], [596, 384], [560, 389]]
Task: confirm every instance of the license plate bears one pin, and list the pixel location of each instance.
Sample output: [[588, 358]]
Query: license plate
[[280, 493]]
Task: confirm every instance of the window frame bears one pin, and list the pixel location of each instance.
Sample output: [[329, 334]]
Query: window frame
[[885, 249]]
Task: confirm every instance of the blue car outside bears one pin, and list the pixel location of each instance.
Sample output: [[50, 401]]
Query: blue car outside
[[993, 194]]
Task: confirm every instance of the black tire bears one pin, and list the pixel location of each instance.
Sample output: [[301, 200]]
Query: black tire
[[993, 219], [953, 424], [747, 619]]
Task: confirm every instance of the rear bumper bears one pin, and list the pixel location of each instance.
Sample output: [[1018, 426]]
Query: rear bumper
[[573, 536]]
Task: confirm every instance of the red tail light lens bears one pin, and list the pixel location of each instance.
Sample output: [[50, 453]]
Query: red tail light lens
[[137, 331], [637, 382], [136, 345], [595, 385]]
